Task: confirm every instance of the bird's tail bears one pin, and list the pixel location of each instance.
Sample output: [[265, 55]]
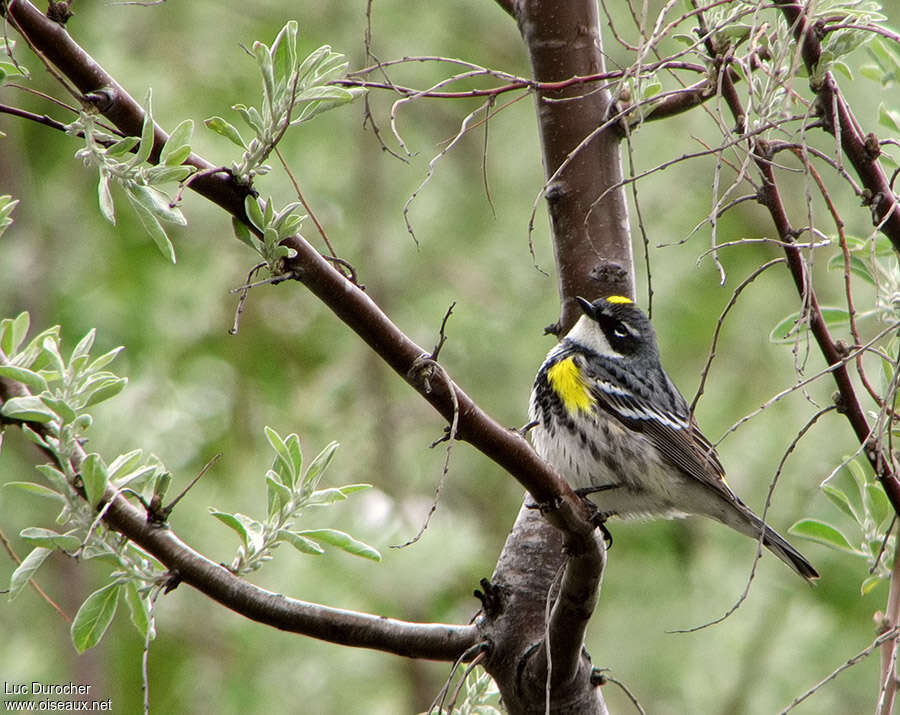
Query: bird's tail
[[752, 526]]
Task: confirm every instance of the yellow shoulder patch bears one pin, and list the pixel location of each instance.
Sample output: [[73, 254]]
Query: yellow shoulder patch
[[618, 299], [566, 379]]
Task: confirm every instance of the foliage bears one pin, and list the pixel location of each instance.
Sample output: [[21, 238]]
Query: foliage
[[140, 179], [289, 492], [57, 395]]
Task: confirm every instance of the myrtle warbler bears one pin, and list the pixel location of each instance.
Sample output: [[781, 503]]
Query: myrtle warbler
[[608, 418]]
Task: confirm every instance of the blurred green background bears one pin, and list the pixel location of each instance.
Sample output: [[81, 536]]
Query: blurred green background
[[195, 391]]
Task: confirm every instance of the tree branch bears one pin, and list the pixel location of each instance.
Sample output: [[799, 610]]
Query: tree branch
[[592, 243], [434, 641], [770, 197], [860, 149]]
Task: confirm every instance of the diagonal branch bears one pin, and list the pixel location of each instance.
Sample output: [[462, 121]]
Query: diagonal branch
[[435, 641], [861, 149], [770, 197]]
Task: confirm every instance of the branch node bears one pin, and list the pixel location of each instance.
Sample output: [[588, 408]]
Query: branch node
[[59, 12], [839, 402], [872, 146], [101, 99], [492, 598]]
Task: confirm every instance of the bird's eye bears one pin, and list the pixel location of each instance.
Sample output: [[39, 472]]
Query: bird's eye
[[620, 331]]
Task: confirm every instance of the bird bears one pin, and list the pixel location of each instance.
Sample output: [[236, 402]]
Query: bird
[[604, 413]]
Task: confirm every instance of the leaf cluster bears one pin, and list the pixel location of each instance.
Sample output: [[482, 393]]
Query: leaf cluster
[[290, 491]]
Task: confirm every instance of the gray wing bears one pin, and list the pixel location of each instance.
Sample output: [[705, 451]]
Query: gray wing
[[662, 416]]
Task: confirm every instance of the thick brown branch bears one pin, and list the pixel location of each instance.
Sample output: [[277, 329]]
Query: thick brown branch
[[591, 241], [434, 641]]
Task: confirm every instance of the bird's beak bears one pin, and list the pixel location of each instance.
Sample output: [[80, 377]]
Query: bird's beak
[[586, 306]]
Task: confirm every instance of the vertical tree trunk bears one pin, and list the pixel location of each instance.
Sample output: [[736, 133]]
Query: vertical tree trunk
[[592, 242]]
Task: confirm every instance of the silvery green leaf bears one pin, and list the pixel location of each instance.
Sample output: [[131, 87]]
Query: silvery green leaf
[[254, 212], [104, 359], [140, 611], [178, 141], [37, 490], [154, 228], [60, 407], [13, 332], [32, 380], [301, 543], [251, 116], [84, 345], [243, 233], [121, 147], [50, 539], [94, 617], [319, 465], [343, 541], [27, 409], [107, 390], [94, 477], [157, 203], [26, 570], [226, 129], [164, 174], [121, 464]]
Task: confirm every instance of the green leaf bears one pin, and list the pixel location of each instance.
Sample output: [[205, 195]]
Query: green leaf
[[254, 212], [250, 530], [122, 147], [107, 390], [318, 466], [94, 617], [104, 360], [104, 196], [840, 499], [277, 494], [16, 333], [301, 543], [295, 453], [823, 533], [139, 609], [124, 462], [49, 539], [60, 407], [27, 409], [343, 541], [242, 233], [156, 203], [879, 504], [349, 489], [56, 478], [889, 118], [154, 228], [782, 332], [857, 266], [26, 570], [226, 129], [95, 477], [162, 174], [37, 489], [324, 497], [178, 141], [283, 456], [32, 380]]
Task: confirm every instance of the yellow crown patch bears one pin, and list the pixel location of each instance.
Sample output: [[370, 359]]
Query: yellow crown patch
[[618, 299]]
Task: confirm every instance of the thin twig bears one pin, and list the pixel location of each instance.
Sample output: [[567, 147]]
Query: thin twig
[[862, 655]]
